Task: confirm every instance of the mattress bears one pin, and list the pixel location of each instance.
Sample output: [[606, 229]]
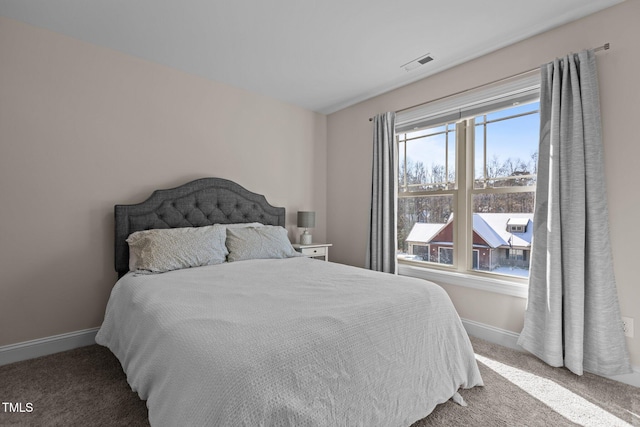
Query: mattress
[[287, 342]]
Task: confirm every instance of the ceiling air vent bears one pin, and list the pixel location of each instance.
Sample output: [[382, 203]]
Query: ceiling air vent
[[417, 62]]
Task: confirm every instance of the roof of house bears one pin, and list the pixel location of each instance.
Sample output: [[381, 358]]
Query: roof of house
[[491, 227], [487, 232], [423, 232], [518, 220], [497, 222]]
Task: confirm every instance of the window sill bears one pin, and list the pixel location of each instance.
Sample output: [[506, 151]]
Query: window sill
[[490, 284]]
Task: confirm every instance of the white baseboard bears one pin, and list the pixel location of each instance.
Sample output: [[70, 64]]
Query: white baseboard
[[44, 346], [510, 339], [492, 334], [631, 379]]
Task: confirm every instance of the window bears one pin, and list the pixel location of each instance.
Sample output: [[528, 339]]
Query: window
[[466, 183], [445, 255], [420, 252], [516, 254]]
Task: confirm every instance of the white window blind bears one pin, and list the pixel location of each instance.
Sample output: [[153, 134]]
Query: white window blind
[[492, 97]]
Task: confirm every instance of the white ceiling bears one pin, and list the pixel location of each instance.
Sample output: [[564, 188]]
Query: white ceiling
[[322, 55]]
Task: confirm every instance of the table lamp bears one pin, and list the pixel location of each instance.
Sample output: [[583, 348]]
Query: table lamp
[[306, 220]]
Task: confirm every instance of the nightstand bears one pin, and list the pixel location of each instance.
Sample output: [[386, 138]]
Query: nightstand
[[314, 250]]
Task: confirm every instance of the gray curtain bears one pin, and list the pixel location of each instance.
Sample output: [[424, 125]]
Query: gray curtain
[[381, 247], [572, 317]]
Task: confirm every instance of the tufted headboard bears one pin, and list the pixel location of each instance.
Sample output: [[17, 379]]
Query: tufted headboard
[[205, 201]]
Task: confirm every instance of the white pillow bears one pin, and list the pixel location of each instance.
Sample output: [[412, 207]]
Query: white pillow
[[162, 250], [258, 243]]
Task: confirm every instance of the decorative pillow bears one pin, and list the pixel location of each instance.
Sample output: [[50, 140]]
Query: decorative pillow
[[258, 243], [162, 250]]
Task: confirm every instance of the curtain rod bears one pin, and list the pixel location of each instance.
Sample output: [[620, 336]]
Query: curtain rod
[[605, 46]]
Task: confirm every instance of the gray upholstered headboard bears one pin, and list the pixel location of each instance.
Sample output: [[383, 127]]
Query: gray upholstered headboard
[[197, 203]]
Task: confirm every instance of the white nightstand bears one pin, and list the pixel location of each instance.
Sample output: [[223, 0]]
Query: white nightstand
[[314, 250]]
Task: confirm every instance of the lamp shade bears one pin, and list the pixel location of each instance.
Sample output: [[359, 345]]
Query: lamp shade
[[306, 219]]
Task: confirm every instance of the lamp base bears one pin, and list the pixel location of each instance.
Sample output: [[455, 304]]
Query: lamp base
[[305, 238]]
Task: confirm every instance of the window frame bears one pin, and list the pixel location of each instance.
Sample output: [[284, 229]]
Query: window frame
[[462, 272]]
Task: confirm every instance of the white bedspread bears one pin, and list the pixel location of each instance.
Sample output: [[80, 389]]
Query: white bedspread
[[292, 342]]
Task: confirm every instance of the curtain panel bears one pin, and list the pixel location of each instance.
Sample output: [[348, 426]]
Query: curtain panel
[[572, 317], [381, 245]]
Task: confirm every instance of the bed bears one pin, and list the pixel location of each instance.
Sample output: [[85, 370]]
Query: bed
[[263, 337]]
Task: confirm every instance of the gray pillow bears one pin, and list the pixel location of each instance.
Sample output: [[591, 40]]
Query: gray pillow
[[162, 250], [258, 243]]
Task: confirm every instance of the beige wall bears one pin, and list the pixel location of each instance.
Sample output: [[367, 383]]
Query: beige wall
[[349, 151], [83, 128]]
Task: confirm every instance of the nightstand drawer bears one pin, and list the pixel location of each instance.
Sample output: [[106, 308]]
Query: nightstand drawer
[[320, 251], [315, 250]]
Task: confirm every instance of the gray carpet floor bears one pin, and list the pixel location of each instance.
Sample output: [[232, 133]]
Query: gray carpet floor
[[86, 387]]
